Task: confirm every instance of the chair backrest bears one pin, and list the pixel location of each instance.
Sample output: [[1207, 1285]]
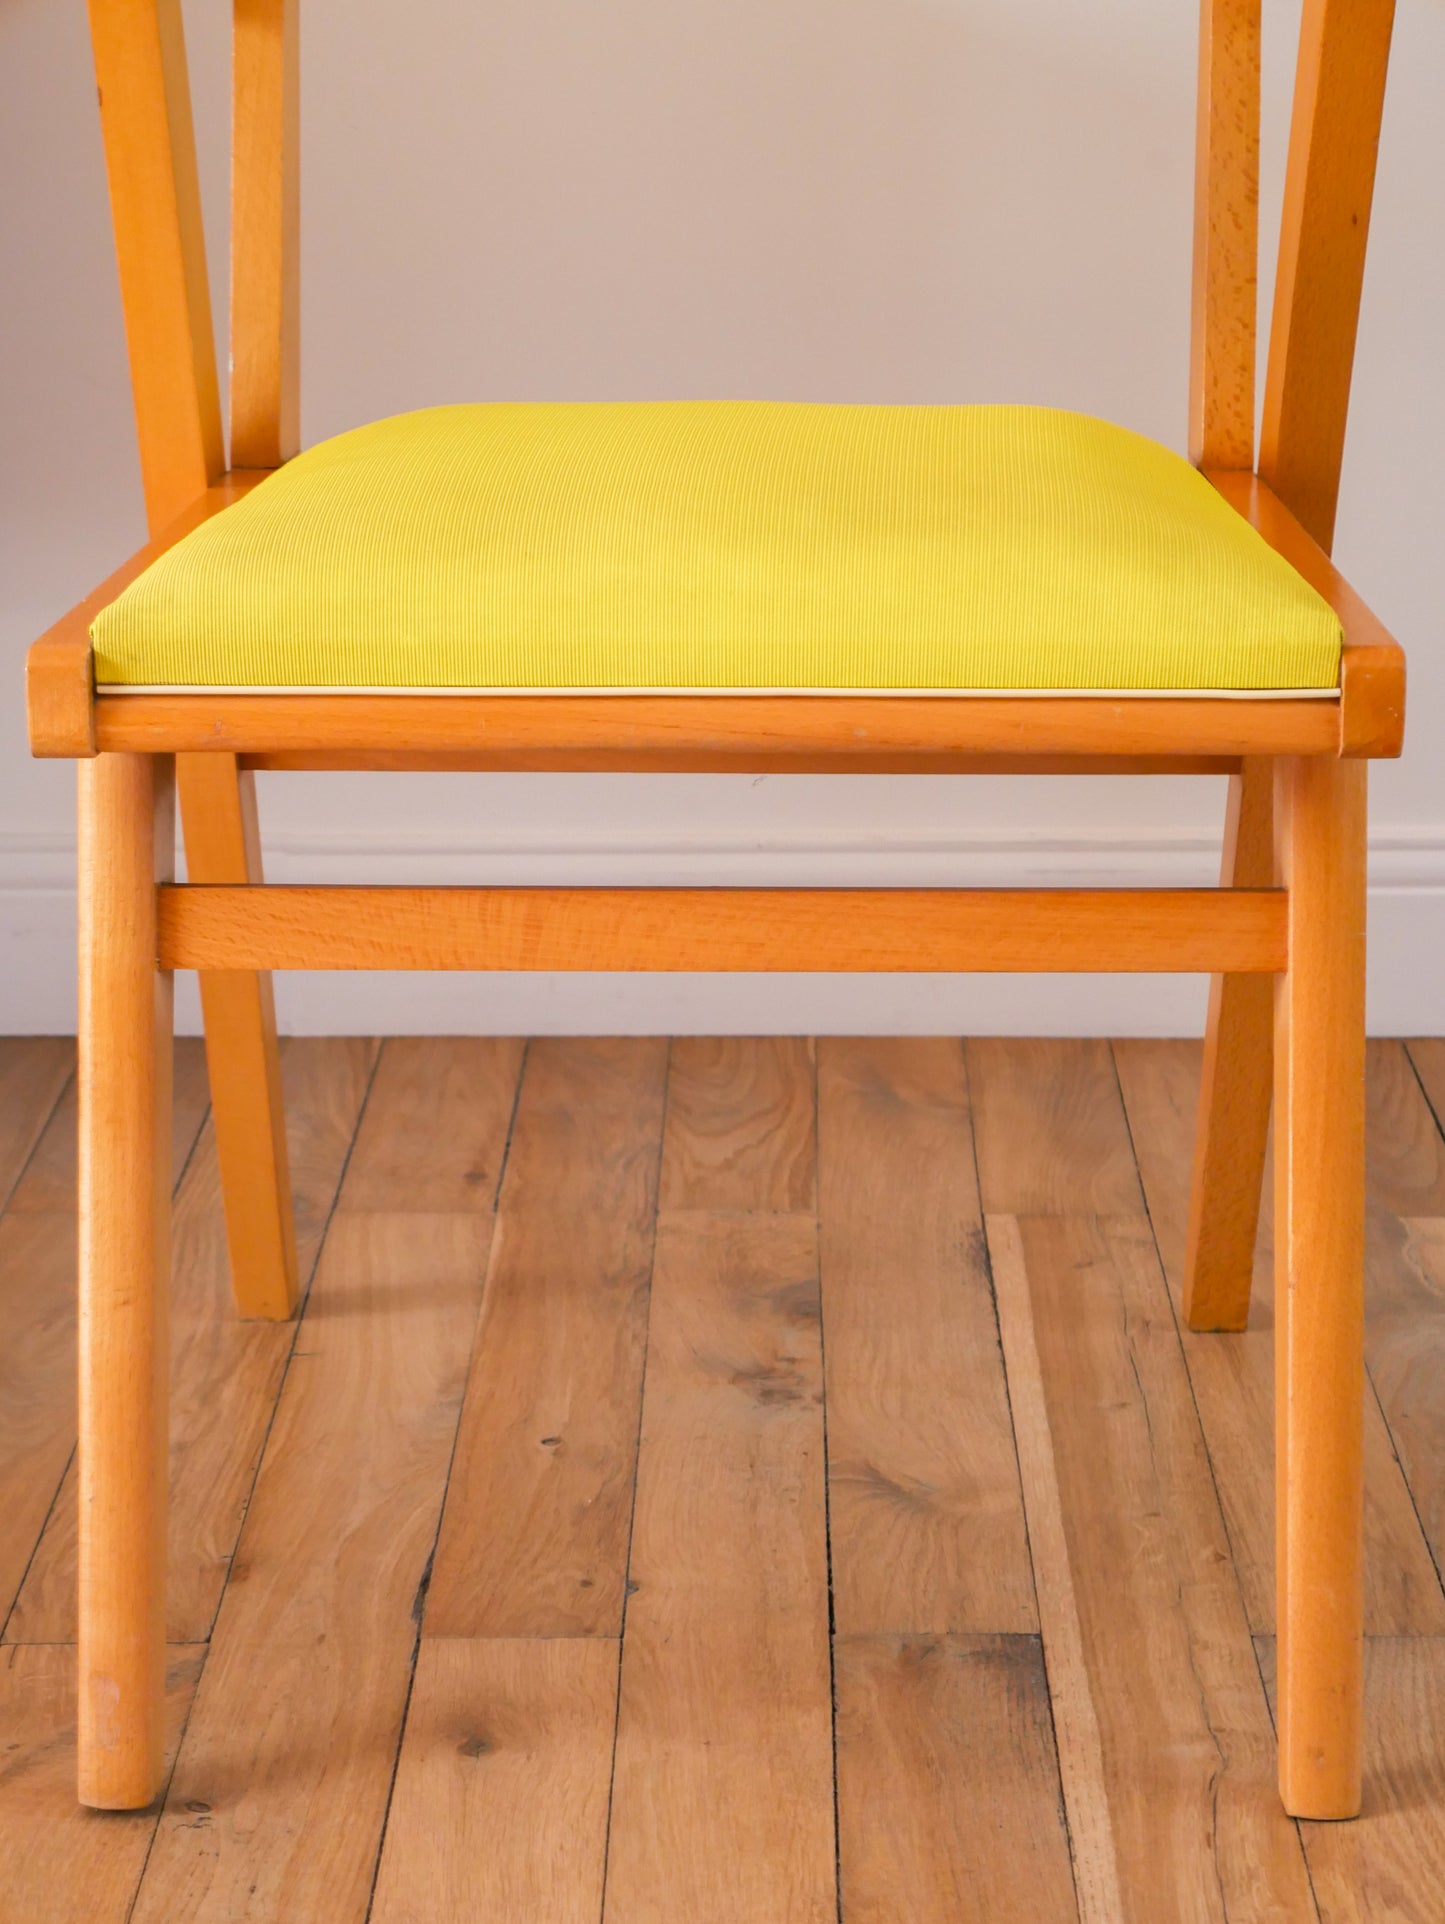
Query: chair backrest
[[155, 200]]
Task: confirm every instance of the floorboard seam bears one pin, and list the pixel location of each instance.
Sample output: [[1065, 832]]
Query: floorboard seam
[[418, 1608], [35, 1551], [506, 1154], [827, 1486], [1062, 1802], [260, 1458], [1203, 1438], [636, 1460], [14, 1603], [302, 1302], [45, 1123], [1370, 1374]]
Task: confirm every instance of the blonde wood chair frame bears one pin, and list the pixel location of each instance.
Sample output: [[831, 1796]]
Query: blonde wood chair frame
[[1283, 937]]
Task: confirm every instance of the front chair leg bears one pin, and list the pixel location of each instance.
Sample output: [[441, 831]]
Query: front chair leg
[[127, 839], [1319, 1290]]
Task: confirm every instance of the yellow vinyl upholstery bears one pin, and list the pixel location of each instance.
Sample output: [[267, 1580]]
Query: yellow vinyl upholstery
[[711, 545]]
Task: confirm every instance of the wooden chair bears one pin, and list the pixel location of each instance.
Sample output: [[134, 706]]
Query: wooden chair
[[1283, 937]]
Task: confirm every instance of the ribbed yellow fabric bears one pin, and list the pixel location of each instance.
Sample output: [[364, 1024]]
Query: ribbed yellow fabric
[[725, 545]]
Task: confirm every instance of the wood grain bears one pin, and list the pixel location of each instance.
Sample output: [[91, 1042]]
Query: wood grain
[[265, 233], [1319, 1298], [1050, 1129], [1427, 1058], [1226, 236], [37, 1364], [1405, 1285], [1404, 1150], [1390, 1864], [856, 930], [61, 1865], [1164, 1738], [1236, 1088], [34, 1074], [722, 1807], [60, 692], [48, 1184], [223, 844], [826, 734], [457, 759], [949, 1806], [926, 1517], [950, 1759], [1372, 663], [547, 1446], [127, 837], [1329, 183], [740, 1124], [292, 1762], [434, 1136], [37, 1385], [1405, 1349], [225, 1373], [155, 204], [59, 669], [1233, 1377], [508, 1757]]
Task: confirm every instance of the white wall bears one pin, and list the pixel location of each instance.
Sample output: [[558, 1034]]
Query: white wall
[[920, 200]]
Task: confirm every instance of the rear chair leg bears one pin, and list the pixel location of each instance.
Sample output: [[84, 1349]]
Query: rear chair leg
[[127, 841], [1235, 1090], [223, 845], [1319, 1288]]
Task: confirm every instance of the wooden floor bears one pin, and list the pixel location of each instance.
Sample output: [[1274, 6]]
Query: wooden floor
[[725, 1483]]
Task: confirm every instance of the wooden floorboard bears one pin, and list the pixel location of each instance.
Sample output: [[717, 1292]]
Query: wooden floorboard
[[60, 1864], [37, 1309], [740, 1124], [34, 1071], [1406, 1354], [292, 1739], [722, 1806], [1051, 1133], [225, 1373], [534, 1539], [697, 1352], [37, 1389], [1388, 1867], [949, 1806], [925, 1510], [508, 1759], [1233, 1376], [1427, 1058], [48, 1181], [438, 1119], [1165, 1743]]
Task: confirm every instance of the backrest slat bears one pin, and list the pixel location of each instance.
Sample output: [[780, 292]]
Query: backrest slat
[[1329, 182], [265, 231], [155, 198], [1226, 236]]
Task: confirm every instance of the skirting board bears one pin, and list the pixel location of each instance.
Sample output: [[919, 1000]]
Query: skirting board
[[1407, 937]]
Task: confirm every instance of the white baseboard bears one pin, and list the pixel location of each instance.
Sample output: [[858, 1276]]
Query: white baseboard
[[1407, 937]]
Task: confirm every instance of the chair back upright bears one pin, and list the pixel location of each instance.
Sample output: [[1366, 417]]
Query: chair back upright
[[155, 203]]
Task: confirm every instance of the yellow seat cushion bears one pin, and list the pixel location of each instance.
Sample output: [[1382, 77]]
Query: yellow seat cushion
[[713, 545]]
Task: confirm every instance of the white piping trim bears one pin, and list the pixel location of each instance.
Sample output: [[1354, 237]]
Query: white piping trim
[[841, 694]]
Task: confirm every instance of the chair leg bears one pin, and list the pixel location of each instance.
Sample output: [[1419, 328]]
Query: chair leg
[[1235, 1090], [127, 839], [223, 845], [1319, 1290]]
